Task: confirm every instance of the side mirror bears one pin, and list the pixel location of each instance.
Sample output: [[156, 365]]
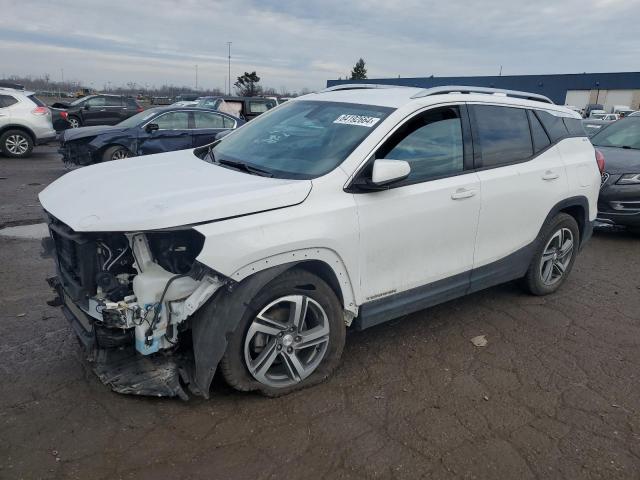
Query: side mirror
[[87, 106], [151, 127], [387, 171]]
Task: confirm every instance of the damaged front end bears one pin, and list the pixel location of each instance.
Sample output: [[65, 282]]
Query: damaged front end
[[79, 152], [130, 299]]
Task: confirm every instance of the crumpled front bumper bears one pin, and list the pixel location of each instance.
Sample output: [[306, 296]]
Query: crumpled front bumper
[[113, 358]]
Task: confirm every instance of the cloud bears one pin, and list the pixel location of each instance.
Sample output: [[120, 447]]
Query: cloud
[[302, 44]]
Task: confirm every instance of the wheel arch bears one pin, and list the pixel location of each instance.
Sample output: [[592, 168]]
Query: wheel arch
[[323, 262], [578, 208], [22, 128]]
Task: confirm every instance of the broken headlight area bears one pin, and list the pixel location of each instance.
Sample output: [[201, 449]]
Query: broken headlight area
[[78, 152], [129, 297]]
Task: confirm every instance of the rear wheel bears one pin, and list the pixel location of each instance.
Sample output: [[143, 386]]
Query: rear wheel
[[74, 122], [292, 337], [115, 152], [555, 254], [16, 144]]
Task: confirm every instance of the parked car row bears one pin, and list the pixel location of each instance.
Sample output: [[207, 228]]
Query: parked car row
[[156, 130]]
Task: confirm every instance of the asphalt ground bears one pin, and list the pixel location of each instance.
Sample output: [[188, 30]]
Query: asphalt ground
[[555, 393]]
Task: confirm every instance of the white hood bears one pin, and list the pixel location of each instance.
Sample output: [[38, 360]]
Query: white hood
[[162, 191]]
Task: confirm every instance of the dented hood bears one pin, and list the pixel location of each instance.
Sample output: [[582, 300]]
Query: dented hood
[[163, 191]]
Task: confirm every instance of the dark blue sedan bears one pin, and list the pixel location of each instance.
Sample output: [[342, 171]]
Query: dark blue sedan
[[156, 130]]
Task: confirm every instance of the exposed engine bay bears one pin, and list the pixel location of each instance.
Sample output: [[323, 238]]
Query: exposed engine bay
[[131, 290]]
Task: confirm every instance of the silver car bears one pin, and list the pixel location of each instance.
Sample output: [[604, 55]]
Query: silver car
[[25, 121]]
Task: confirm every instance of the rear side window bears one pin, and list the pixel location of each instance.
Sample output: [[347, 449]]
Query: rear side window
[[7, 101], [131, 103], [227, 122], [574, 126], [554, 126], [208, 120], [431, 143], [258, 107], [503, 134], [540, 137], [113, 101]]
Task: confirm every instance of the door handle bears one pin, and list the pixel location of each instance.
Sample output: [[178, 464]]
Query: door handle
[[549, 175], [461, 193]]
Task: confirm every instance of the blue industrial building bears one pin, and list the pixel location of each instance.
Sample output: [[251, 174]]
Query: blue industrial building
[[572, 89]]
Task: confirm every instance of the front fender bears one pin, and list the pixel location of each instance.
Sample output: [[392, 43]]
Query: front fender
[[325, 255]]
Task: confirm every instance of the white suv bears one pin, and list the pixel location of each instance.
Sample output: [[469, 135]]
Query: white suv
[[24, 122], [345, 208]]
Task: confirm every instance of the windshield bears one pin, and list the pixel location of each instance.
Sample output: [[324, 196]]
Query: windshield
[[138, 118], [623, 133], [301, 139]]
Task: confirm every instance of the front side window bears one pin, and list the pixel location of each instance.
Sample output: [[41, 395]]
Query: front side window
[[503, 135], [431, 142], [208, 120], [173, 121], [302, 139], [96, 102]]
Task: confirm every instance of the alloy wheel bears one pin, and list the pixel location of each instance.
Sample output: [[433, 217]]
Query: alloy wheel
[[16, 144], [74, 123], [119, 154], [556, 256], [286, 341]]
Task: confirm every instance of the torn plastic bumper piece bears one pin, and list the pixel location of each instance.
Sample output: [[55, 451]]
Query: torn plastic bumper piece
[[120, 367], [153, 375]]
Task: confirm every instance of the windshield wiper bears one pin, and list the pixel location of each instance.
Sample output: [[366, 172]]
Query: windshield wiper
[[245, 167], [629, 147]]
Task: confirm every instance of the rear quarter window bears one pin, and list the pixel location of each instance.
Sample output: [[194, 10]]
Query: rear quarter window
[[37, 101], [554, 126], [574, 127]]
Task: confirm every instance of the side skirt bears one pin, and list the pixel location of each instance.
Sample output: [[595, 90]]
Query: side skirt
[[504, 270]]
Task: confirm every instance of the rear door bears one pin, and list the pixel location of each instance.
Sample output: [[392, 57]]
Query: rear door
[[113, 110], [207, 125], [174, 133], [129, 108], [522, 178], [5, 113]]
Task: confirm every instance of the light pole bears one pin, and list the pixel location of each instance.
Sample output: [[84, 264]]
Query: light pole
[[196, 77], [229, 58]]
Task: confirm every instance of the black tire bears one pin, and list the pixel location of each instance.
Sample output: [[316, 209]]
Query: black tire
[[533, 281], [634, 230], [114, 152], [16, 144], [74, 122], [291, 282]]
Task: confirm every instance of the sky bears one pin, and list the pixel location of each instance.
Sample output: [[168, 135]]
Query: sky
[[301, 44]]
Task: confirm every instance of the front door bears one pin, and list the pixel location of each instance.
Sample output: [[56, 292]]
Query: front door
[[174, 133], [423, 229]]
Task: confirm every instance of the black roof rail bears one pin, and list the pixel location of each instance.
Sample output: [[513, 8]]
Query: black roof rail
[[7, 84], [489, 91], [357, 86]]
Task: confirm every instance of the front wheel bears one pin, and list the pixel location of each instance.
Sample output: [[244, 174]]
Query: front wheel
[[115, 152], [291, 337], [555, 255]]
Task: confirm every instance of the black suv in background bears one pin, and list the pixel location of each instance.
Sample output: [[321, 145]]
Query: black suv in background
[[94, 110]]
